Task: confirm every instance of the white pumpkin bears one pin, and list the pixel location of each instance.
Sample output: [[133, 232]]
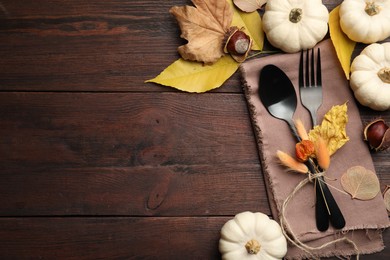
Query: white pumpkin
[[365, 21], [294, 25], [252, 236], [370, 76]]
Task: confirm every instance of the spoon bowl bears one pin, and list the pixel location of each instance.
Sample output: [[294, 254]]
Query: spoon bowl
[[278, 95]]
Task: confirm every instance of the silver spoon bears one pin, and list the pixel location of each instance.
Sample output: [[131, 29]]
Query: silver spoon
[[277, 93]]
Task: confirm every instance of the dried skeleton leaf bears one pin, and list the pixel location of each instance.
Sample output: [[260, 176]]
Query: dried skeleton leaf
[[249, 5], [386, 198], [361, 183], [204, 27]]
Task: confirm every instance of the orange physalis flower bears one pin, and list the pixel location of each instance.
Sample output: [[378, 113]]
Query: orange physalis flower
[[304, 150]]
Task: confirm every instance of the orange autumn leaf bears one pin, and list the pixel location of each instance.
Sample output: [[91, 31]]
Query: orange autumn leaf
[[204, 27]]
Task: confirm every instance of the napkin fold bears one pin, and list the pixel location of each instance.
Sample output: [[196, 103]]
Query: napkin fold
[[365, 220]]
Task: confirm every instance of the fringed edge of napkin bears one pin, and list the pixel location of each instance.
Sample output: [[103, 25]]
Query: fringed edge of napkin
[[258, 136]]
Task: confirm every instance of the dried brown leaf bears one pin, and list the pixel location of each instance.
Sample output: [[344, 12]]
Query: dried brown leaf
[[204, 27], [361, 183], [249, 5]]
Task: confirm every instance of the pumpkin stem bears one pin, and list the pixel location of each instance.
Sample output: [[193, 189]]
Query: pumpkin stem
[[295, 15], [372, 9], [384, 75], [252, 246]]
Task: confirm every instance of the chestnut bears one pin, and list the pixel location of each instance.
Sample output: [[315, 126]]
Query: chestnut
[[237, 44], [377, 134]]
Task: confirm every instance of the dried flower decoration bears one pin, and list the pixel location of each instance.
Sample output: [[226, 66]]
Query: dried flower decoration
[[304, 150], [291, 163], [322, 153], [320, 143]]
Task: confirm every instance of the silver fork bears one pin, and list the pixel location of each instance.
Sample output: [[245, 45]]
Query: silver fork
[[310, 86]]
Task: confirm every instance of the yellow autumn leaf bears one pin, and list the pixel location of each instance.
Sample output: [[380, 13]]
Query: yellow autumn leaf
[[332, 129], [252, 24], [343, 45], [192, 76]]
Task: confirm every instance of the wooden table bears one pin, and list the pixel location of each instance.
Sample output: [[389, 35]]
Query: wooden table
[[96, 164]]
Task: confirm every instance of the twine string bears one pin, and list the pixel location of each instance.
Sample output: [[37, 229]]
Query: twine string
[[289, 233]]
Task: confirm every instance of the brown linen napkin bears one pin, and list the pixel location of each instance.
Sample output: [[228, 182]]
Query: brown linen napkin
[[364, 219]]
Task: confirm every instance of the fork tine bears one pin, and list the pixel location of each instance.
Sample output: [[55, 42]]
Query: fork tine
[[312, 73], [307, 76], [301, 83], [319, 78]]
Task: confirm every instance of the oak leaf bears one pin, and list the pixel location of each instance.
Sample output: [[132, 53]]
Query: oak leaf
[[361, 183], [332, 128], [204, 27], [249, 5], [343, 45]]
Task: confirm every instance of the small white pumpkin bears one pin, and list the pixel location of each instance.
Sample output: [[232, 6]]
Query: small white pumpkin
[[294, 25], [252, 236], [366, 21], [370, 76]]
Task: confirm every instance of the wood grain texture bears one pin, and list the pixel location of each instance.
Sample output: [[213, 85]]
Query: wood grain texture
[[117, 238], [136, 191], [137, 129], [97, 164]]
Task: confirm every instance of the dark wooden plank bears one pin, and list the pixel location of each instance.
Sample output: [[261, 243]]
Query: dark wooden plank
[[127, 154], [104, 130], [136, 191], [110, 238], [88, 46], [118, 238]]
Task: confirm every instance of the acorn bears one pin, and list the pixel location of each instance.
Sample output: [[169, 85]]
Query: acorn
[[377, 134], [237, 44]]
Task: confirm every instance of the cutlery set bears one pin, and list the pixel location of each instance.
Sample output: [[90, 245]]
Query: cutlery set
[[277, 93]]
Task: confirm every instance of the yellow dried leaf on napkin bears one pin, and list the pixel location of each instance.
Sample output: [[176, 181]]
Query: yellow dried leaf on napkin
[[343, 45], [192, 76], [252, 24], [332, 128]]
